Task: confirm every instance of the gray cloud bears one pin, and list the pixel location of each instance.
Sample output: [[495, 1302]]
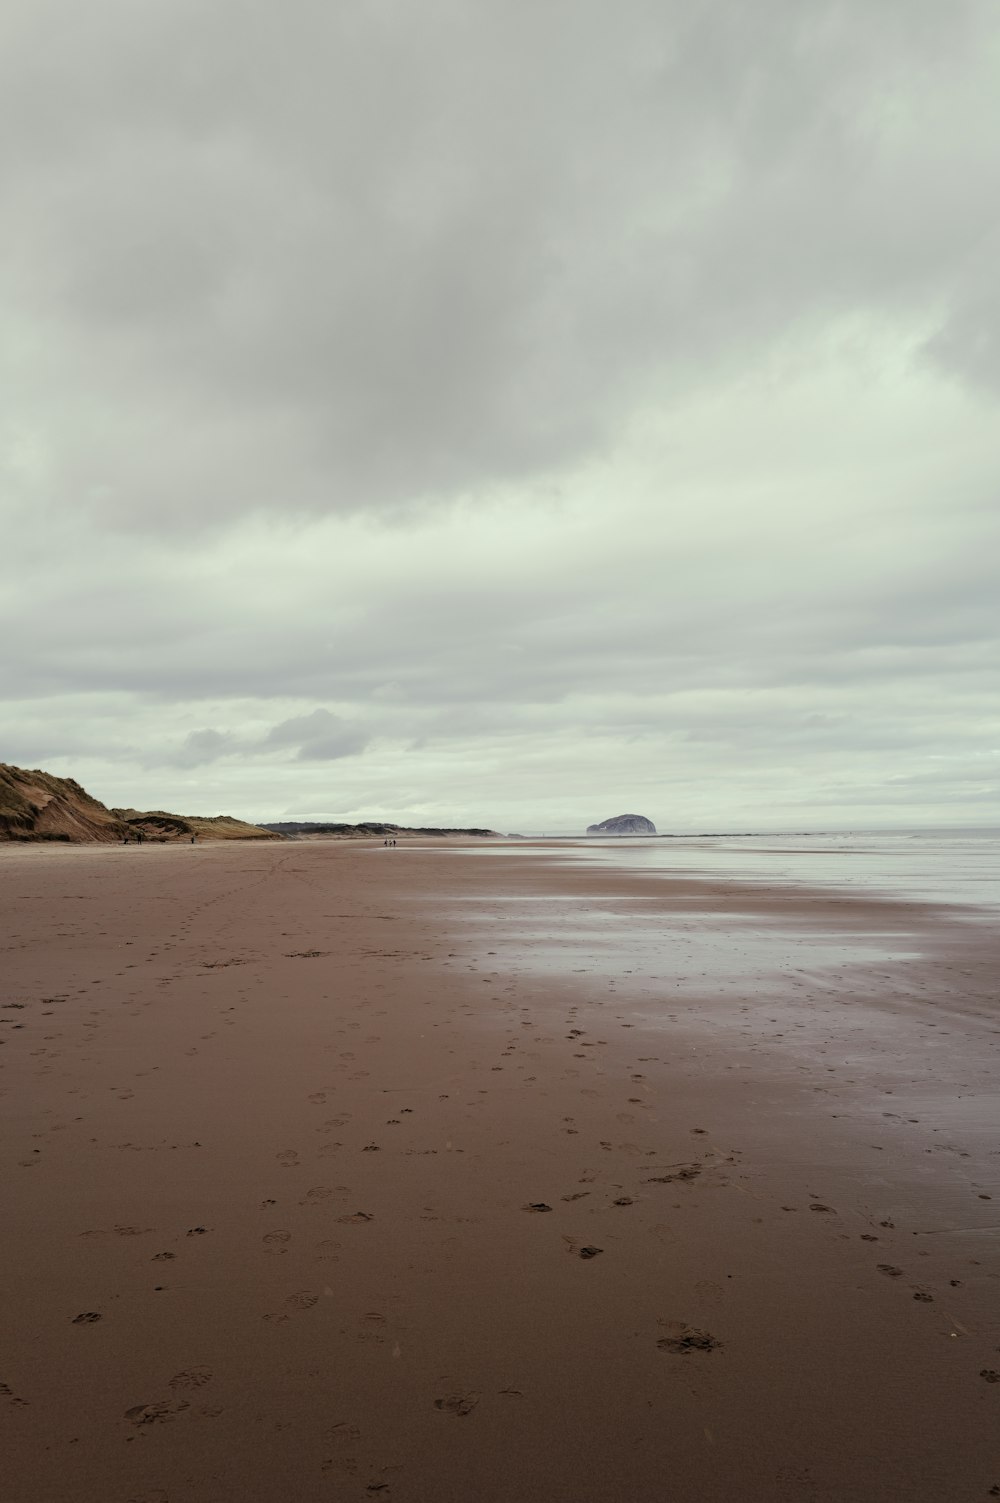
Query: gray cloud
[[316, 737], [437, 409], [199, 748], [330, 261], [319, 737]]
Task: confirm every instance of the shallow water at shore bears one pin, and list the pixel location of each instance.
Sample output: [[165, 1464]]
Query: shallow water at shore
[[946, 867], [657, 908], [614, 937], [960, 867]]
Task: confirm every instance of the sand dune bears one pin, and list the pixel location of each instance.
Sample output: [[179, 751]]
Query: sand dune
[[37, 806]]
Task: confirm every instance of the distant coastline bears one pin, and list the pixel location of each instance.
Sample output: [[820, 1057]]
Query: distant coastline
[[335, 830]]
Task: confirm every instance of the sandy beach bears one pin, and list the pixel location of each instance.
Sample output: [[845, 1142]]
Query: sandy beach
[[479, 1175]]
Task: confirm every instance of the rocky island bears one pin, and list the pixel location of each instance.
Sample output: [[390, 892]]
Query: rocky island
[[624, 824]]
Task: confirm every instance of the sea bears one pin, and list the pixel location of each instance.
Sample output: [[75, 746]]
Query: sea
[[613, 933], [959, 866]]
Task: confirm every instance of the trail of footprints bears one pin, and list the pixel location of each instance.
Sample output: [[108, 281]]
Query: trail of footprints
[[678, 1339]]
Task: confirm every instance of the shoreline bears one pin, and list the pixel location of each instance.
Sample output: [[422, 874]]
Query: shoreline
[[327, 1082]]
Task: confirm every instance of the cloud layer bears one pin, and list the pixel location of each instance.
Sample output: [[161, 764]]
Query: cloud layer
[[485, 412]]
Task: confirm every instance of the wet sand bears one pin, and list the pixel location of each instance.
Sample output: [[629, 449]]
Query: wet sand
[[431, 1176]]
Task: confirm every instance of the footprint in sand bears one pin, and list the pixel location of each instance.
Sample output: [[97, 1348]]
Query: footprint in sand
[[328, 1251], [88, 1318], [683, 1339], [686, 1173], [372, 1327], [316, 1194], [457, 1403], [156, 1414], [586, 1252], [287, 1158], [343, 1434], [276, 1242], [302, 1300], [191, 1377], [797, 1484]]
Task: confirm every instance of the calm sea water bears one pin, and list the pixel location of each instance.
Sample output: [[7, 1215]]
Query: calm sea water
[[614, 934], [957, 866], [946, 866]]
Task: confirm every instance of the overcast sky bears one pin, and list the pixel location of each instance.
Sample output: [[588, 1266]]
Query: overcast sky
[[510, 412]]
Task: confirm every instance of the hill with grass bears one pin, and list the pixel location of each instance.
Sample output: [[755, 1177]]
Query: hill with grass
[[298, 830], [37, 806]]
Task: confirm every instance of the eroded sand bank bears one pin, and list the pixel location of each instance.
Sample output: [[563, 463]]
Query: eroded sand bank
[[273, 1117]]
